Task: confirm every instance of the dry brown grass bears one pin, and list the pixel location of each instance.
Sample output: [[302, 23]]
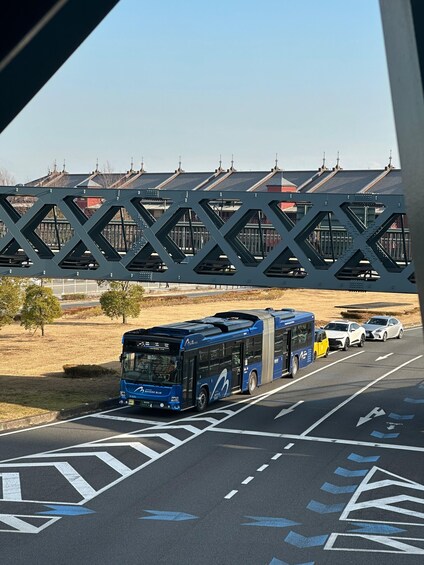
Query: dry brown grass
[[31, 367]]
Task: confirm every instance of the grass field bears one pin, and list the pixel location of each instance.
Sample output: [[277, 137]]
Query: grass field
[[31, 366]]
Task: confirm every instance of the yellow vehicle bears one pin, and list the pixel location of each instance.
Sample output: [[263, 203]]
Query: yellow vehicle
[[321, 344]]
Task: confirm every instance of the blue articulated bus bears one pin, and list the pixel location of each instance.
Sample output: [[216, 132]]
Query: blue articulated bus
[[191, 364]]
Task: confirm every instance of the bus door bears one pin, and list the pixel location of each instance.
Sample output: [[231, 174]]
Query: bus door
[[237, 364], [286, 350], [188, 380]]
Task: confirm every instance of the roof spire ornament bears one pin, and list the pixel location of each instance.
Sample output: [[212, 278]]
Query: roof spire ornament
[[96, 170], [338, 160], [54, 166], [323, 160], [132, 165], [64, 166], [142, 165], [232, 163], [390, 159]]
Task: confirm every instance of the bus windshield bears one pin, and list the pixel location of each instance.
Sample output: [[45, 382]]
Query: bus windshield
[[154, 368]]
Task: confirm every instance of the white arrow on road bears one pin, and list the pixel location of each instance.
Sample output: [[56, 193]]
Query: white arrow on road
[[384, 357], [375, 412], [285, 411]]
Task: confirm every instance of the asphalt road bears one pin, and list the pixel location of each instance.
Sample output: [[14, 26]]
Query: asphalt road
[[324, 469]]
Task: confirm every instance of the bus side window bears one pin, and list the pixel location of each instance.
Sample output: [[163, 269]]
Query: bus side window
[[216, 354], [257, 344], [278, 347], [226, 359], [248, 349], [203, 368]]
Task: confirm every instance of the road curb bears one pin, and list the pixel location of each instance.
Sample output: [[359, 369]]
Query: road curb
[[58, 415]]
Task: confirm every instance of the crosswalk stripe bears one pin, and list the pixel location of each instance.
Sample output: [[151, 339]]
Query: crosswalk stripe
[[189, 428], [124, 419], [70, 474], [135, 445], [11, 486], [166, 437], [104, 456]]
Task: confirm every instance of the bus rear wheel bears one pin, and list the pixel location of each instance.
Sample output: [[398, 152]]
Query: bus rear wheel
[[253, 383], [202, 399]]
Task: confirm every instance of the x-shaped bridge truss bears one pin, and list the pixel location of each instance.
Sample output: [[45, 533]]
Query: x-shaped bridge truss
[[294, 259]]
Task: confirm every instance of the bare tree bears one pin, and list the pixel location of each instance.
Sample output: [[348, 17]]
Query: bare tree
[[6, 179]]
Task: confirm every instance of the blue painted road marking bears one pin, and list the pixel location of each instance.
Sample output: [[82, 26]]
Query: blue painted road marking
[[301, 541], [414, 400], [394, 416], [334, 489], [270, 522], [276, 561], [380, 435], [168, 516], [325, 508], [349, 473], [365, 528], [66, 510], [360, 459]]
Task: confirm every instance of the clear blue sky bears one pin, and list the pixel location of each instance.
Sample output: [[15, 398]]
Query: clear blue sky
[[163, 78]]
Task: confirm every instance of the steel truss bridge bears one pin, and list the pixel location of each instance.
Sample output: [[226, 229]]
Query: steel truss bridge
[[322, 241]]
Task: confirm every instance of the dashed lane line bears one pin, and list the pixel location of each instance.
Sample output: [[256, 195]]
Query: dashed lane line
[[262, 468]]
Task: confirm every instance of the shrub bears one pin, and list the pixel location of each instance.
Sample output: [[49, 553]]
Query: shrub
[[87, 371], [76, 296], [355, 315]]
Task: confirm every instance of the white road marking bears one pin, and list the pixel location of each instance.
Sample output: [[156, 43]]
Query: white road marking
[[104, 456], [187, 428], [21, 526], [387, 503], [247, 480], [383, 357], [231, 494], [326, 416], [138, 446], [277, 456], [11, 486], [201, 419], [57, 423], [70, 474], [399, 547], [124, 419], [262, 468], [318, 439], [166, 437], [285, 411], [375, 413]]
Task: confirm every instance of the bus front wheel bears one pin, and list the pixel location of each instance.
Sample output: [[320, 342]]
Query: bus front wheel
[[295, 367], [202, 399], [253, 383]]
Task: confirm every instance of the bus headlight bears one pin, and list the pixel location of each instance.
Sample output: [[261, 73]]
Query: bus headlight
[[122, 394], [174, 399]]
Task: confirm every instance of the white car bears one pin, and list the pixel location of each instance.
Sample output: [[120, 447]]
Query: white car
[[342, 334], [383, 327]]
